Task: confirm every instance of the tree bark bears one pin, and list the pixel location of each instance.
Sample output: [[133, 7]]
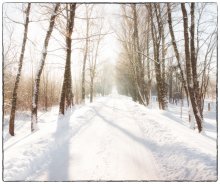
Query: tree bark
[[17, 80], [163, 54], [39, 71], [137, 58], [66, 99], [193, 99], [193, 58], [157, 38], [176, 51]]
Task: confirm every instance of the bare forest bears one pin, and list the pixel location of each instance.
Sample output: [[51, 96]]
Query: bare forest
[[67, 55]]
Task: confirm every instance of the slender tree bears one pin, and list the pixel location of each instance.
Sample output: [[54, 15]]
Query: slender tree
[[193, 57], [205, 79], [14, 95], [148, 87], [85, 53], [39, 71], [175, 48], [93, 63], [137, 57]]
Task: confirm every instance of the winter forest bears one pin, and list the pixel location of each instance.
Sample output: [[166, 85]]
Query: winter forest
[[109, 91]]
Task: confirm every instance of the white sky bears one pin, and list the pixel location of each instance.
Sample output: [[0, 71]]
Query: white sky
[[37, 31], [55, 61]]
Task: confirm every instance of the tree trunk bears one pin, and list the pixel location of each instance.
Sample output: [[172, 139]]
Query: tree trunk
[[85, 58], [176, 51], [93, 65], [46, 96], [66, 99], [91, 90], [148, 61], [171, 86], [193, 58], [189, 70], [39, 71], [161, 86], [138, 63], [45, 86], [14, 95], [164, 85]]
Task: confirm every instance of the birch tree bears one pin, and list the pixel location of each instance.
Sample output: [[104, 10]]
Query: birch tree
[[40, 69], [16, 85], [176, 51]]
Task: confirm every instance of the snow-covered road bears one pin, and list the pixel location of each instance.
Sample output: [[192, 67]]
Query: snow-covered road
[[109, 148], [113, 138]]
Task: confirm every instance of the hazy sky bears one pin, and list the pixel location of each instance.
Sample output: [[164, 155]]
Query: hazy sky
[[56, 60]]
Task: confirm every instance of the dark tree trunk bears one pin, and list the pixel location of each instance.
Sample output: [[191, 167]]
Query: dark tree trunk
[[193, 58], [161, 85], [189, 70], [176, 51], [66, 99], [14, 94], [37, 79]]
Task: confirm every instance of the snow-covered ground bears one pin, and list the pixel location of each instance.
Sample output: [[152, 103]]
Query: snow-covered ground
[[113, 138]]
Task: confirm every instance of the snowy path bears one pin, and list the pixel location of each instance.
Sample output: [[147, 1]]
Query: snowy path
[[113, 138]]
